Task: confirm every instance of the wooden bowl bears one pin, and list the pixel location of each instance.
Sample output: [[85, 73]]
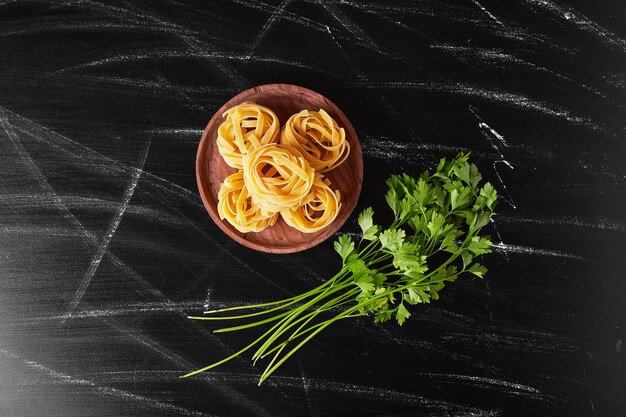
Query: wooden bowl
[[284, 100]]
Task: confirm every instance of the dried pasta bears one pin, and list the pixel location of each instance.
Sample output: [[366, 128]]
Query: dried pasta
[[277, 177], [247, 126], [318, 137], [318, 209], [236, 206], [279, 171]]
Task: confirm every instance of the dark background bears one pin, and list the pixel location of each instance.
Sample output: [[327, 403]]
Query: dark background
[[105, 246]]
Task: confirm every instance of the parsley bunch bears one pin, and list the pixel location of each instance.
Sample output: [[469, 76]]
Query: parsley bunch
[[433, 239]]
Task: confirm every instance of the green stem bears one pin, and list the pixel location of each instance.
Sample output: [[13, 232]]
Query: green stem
[[234, 355], [253, 324], [330, 304], [367, 250], [295, 313], [336, 302], [284, 315], [325, 324], [296, 298], [243, 316]]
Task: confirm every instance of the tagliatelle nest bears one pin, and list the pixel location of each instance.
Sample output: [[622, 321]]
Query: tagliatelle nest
[[247, 126], [277, 177], [317, 210], [318, 137], [237, 207]]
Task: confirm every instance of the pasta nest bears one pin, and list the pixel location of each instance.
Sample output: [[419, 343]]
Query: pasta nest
[[318, 137], [237, 207], [247, 126], [277, 176], [317, 210]]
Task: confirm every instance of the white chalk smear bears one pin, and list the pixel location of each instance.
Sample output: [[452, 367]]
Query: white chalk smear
[[601, 223], [487, 12], [512, 99], [581, 21], [306, 389], [103, 390], [489, 381], [527, 250], [103, 246], [87, 156], [507, 197], [498, 136], [389, 149], [358, 34], [274, 16]]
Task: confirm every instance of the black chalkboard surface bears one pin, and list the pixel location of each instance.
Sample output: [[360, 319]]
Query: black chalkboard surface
[[105, 246]]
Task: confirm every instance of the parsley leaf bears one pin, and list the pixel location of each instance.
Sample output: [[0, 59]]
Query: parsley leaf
[[365, 219], [402, 314], [490, 195], [365, 283], [479, 245], [357, 265], [477, 269], [467, 258], [411, 296], [391, 239], [366, 222], [382, 316], [344, 247]]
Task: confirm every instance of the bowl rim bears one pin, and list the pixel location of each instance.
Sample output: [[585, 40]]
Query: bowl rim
[[203, 187]]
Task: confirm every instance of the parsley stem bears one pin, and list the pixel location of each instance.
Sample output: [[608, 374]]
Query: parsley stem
[[381, 258], [307, 319], [367, 250], [300, 332], [243, 316], [343, 272], [327, 323], [293, 314], [253, 324], [250, 306], [233, 356]]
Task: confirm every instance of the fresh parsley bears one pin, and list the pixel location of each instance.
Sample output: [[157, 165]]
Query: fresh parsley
[[389, 268]]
